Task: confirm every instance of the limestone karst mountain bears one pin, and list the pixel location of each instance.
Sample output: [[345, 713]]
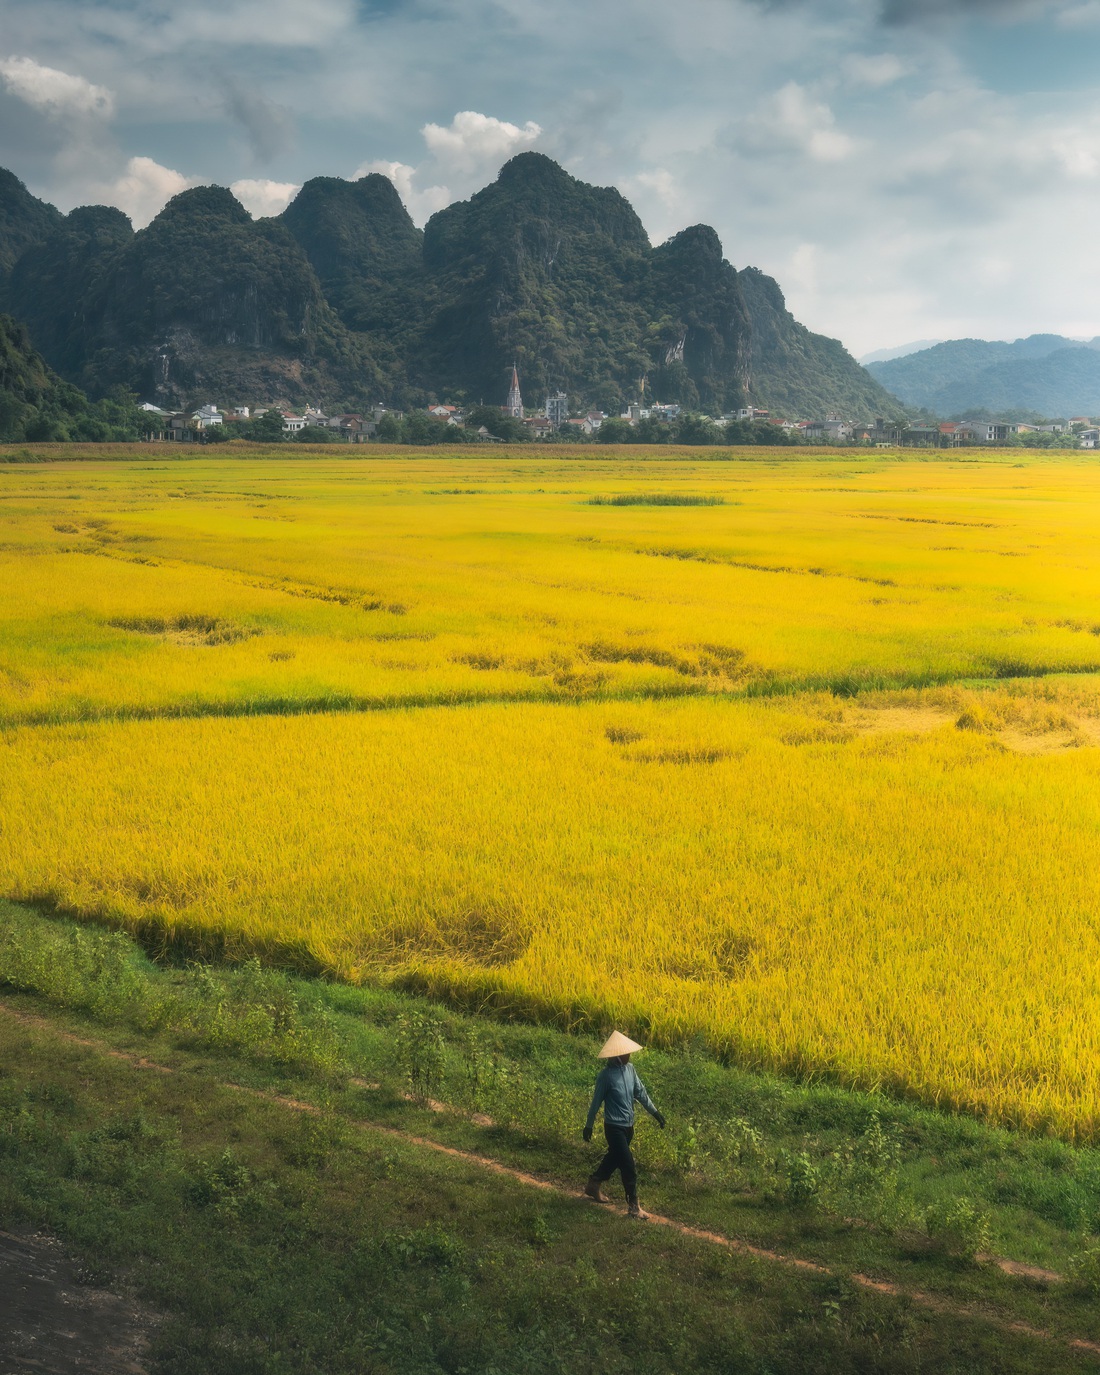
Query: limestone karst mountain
[[342, 301]]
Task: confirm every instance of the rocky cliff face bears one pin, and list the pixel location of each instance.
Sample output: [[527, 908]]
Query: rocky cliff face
[[703, 331], [362, 244], [798, 373], [206, 301], [57, 286], [543, 270], [342, 301]]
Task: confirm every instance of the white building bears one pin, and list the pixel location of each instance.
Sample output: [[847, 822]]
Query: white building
[[989, 432], [557, 409]]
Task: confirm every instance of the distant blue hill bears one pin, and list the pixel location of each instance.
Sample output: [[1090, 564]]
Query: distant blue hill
[[1047, 373], [899, 351]]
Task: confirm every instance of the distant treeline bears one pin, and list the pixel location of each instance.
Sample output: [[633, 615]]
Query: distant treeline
[[418, 428], [694, 429]]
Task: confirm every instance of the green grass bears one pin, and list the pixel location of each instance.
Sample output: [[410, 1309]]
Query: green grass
[[279, 1241]]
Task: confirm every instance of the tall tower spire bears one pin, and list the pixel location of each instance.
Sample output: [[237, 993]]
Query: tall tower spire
[[514, 405]]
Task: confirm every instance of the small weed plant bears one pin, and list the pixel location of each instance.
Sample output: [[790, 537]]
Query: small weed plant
[[421, 1050], [1084, 1268], [959, 1229]]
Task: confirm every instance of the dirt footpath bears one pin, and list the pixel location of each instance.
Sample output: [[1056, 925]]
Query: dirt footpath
[[53, 1324]]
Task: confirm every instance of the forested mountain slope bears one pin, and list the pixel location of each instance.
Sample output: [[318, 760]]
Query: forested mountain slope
[[799, 373], [36, 405], [24, 220], [342, 301], [1046, 373]]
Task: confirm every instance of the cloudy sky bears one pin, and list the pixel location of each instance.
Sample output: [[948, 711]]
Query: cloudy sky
[[907, 169]]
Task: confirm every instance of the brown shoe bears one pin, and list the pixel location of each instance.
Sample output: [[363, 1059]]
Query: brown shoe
[[594, 1192], [633, 1209]]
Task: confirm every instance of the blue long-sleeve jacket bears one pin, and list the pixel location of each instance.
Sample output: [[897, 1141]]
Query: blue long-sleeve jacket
[[617, 1088]]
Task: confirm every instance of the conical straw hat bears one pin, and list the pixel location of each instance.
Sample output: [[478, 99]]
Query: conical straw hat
[[618, 1044]]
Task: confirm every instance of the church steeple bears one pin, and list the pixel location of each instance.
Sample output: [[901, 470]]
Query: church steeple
[[514, 405]]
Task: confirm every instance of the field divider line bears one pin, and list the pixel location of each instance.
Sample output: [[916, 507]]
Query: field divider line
[[346, 706], [931, 1302]]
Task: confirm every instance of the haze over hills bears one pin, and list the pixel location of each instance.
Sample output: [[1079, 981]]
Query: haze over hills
[[342, 301], [1046, 373], [898, 351]]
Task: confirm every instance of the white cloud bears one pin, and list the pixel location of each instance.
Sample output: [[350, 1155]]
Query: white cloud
[[663, 185], [263, 197], [805, 268], [55, 93], [980, 152], [472, 140], [420, 203], [144, 189], [792, 120], [466, 152]]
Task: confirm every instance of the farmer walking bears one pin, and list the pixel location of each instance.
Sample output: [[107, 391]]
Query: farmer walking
[[617, 1088]]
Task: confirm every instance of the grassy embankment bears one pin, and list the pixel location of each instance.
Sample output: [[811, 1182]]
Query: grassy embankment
[[267, 1199]]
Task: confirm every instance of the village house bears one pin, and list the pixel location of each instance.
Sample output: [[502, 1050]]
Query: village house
[[206, 416], [538, 426], [181, 428], [953, 435], [921, 437], [353, 428], [990, 431]]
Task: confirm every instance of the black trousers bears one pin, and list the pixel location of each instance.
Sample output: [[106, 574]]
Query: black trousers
[[619, 1158]]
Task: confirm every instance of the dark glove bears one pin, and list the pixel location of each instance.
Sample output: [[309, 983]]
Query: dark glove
[[587, 1133], [659, 1118]]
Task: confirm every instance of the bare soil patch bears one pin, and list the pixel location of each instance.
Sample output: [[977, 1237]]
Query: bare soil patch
[[53, 1322]]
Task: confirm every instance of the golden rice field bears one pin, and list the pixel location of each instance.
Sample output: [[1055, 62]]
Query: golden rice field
[[811, 773]]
